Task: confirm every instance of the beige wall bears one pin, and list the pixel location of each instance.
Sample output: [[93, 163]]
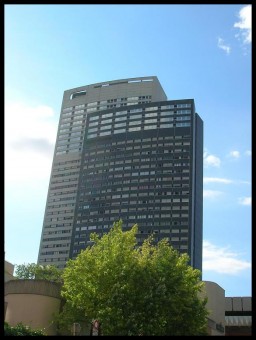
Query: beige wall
[[8, 271], [215, 306], [32, 302]]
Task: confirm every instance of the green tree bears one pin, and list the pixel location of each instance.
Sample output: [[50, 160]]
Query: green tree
[[131, 289], [38, 272], [21, 330]]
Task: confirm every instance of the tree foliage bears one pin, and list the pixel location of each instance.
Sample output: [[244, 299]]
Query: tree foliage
[[131, 289], [38, 272], [21, 330]]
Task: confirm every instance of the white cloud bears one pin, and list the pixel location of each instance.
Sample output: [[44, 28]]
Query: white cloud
[[245, 24], [30, 134], [245, 200], [221, 260], [248, 152], [223, 46], [211, 160], [234, 154], [217, 180], [211, 193]]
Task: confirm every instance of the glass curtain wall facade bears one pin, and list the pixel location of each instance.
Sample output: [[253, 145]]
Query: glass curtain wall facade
[[124, 151]]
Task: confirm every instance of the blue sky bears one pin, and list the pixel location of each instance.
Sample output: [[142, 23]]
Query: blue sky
[[196, 51]]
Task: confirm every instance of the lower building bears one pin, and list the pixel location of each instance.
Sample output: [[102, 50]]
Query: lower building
[[33, 303], [8, 271], [216, 308], [238, 316]]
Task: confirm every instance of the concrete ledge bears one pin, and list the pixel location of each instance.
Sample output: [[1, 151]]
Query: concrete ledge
[[38, 287]]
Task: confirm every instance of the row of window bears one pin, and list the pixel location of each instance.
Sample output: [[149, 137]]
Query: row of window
[[55, 260], [54, 206], [87, 205], [54, 252], [136, 122], [117, 117], [58, 225], [56, 238], [164, 162], [131, 208], [92, 162], [149, 127], [69, 151], [105, 104], [56, 245], [116, 216], [66, 174]]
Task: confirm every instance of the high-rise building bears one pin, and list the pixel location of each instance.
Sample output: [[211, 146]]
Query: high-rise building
[[124, 151]]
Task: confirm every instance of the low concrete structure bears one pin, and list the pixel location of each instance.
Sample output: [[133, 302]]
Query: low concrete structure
[[238, 315], [216, 308], [8, 271], [32, 302]]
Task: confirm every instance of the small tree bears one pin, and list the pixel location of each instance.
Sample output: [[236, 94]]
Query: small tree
[[132, 290], [38, 272]]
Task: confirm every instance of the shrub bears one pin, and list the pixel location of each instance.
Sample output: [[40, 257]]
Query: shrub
[[21, 330]]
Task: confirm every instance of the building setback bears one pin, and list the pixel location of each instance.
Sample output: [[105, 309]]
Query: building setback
[[123, 151]]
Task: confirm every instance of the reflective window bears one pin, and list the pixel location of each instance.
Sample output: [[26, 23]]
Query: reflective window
[[119, 119], [132, 98], [92, 109], [151, 114], [93, 124], [92, 130], [153, 108], [121, 113], [67, 109], [92, 104], [182, 124], [92, 135], [166, 119], [93, 118], [105, 127], [79, 117], [166, 107], [148, 127], [105, 133], [136, 122], [77, 122], [135, 110], [119, 125], [137, 128], [106, 121], [119, 131], [148, 121], [79, 106], [107, 115], [136, 116], [167, 113]]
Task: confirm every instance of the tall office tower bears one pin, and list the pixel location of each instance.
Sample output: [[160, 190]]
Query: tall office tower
[[124, 151]]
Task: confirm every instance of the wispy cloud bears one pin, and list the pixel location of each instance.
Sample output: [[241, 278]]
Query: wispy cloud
[[245, 201], [217, 180], [245, 24], [234, 154], [211, 160], [245, 182], [211, 193], [223, 46], [40, 145], [248, 153], [30, 134], [222, 260]]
